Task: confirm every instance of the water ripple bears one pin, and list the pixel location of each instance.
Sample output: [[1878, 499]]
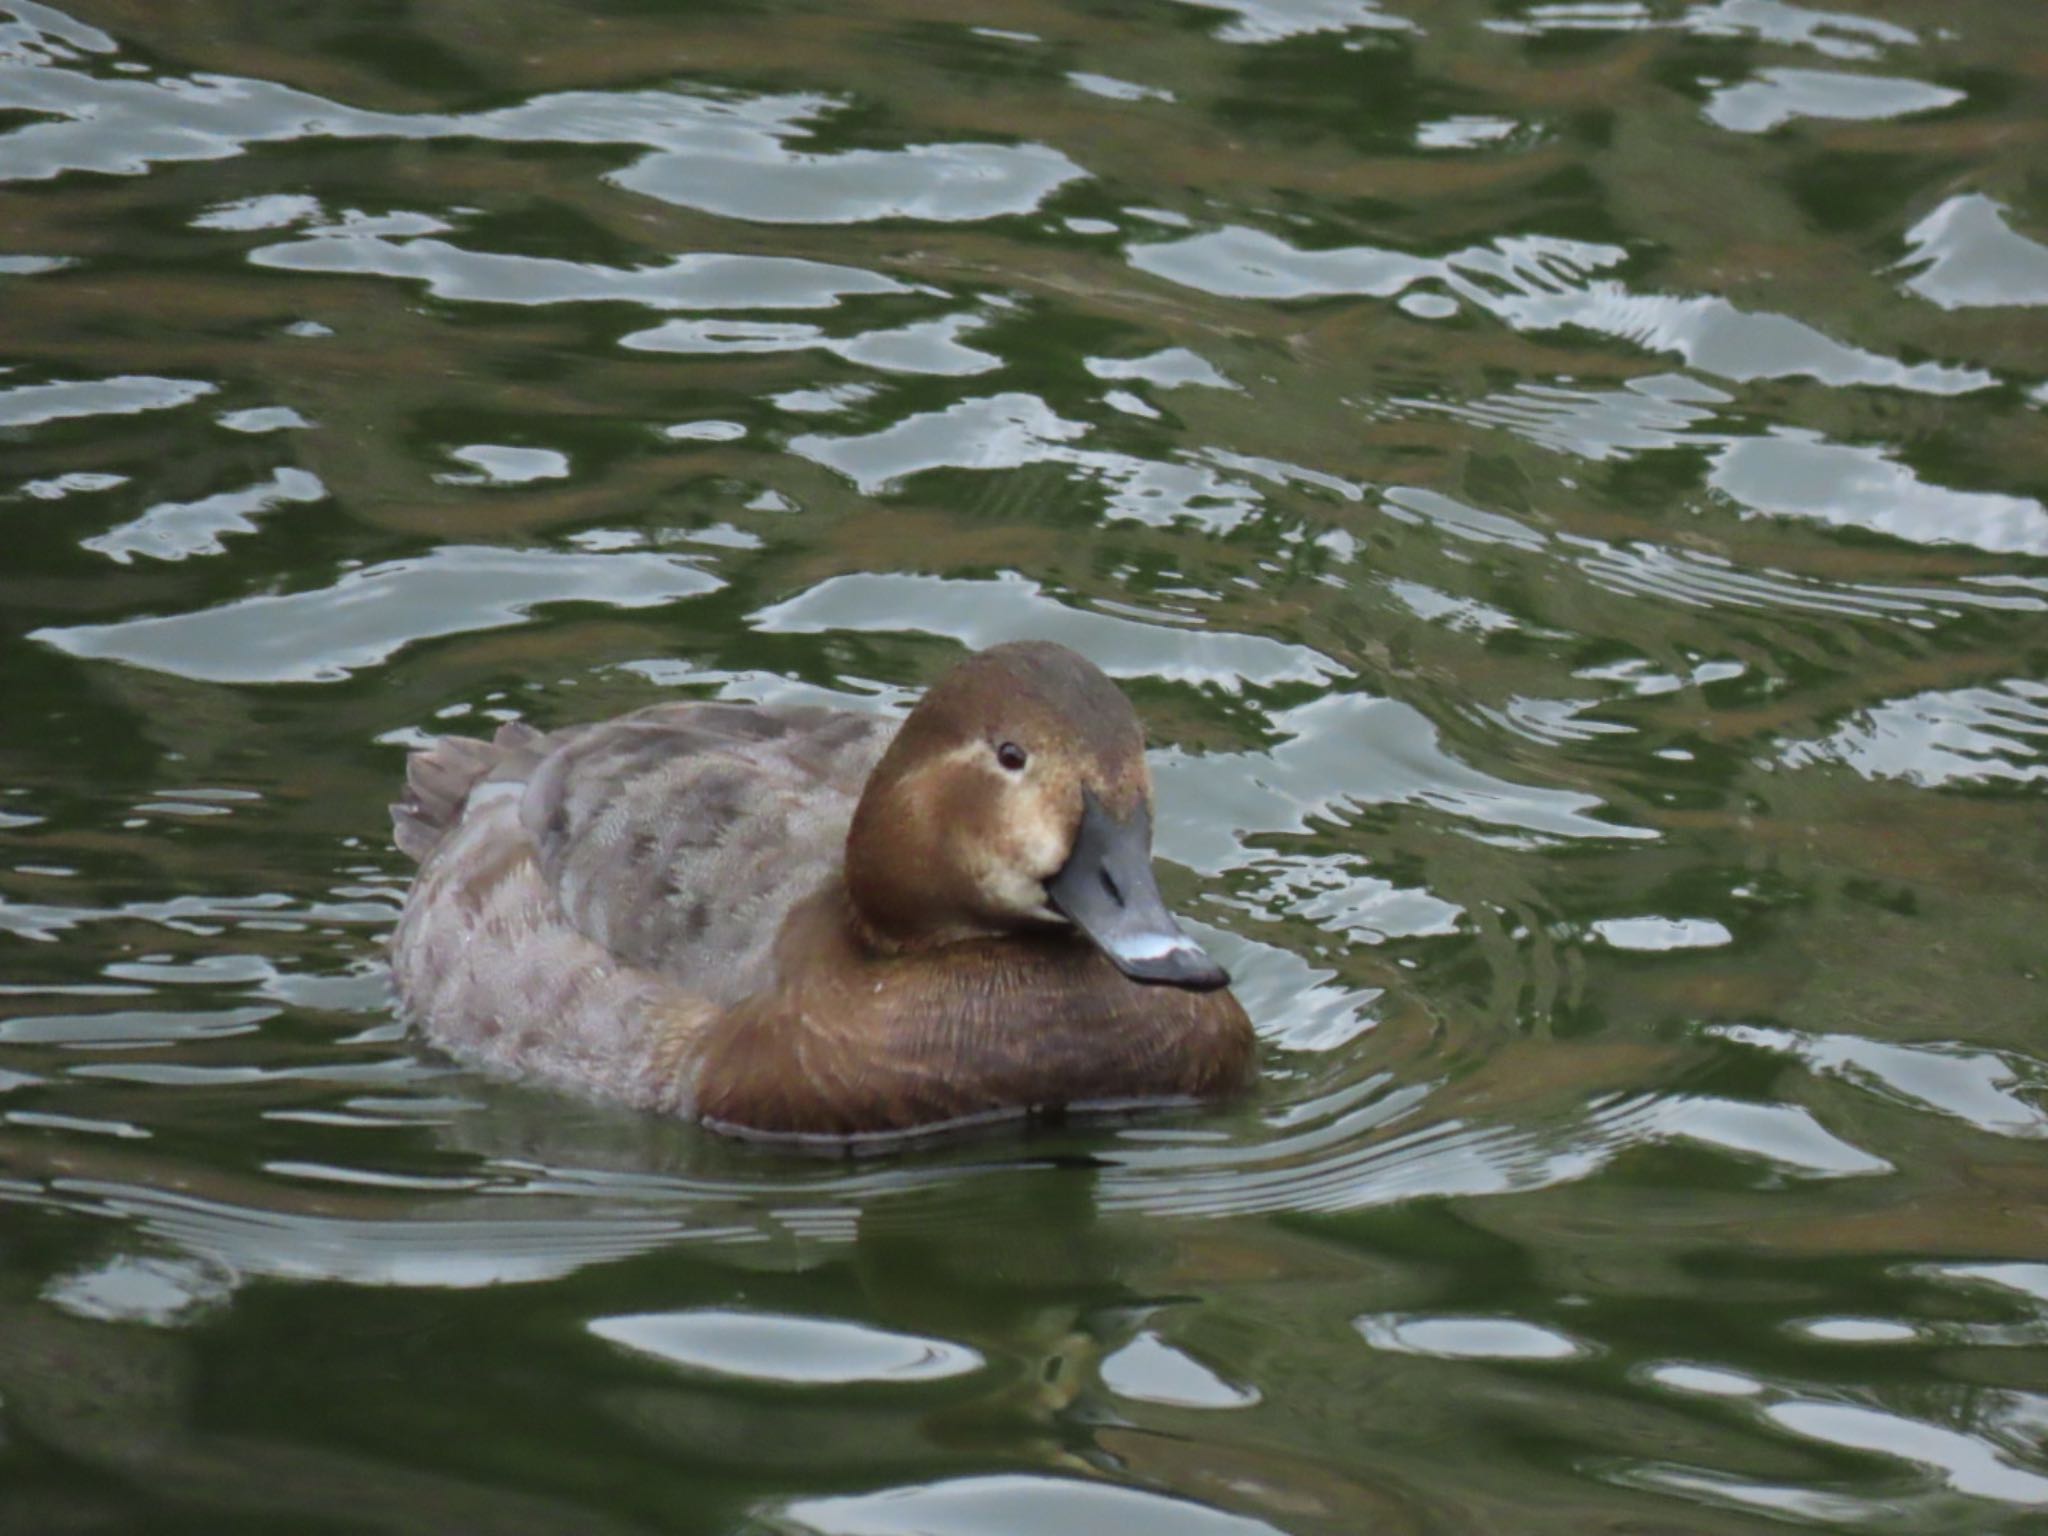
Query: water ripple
[[723, 152], [366, 616], [1559, 482], [1539, 283]]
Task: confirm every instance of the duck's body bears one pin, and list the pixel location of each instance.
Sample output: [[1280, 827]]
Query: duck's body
[[798, 921]]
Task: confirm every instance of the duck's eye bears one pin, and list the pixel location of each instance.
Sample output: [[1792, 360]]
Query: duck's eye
[[1012, 756]]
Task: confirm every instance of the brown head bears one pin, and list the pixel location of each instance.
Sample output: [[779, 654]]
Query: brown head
[[1016, 797]]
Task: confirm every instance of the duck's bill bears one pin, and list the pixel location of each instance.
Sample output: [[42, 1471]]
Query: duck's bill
[[1106, 890]]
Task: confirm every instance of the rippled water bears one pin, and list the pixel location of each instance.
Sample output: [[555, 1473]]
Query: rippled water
[[1563, 483]]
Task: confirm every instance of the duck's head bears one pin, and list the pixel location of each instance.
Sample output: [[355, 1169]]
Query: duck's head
[[1016, 797]]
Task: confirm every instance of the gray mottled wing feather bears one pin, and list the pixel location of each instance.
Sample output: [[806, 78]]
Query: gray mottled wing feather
[[486, 964], [678, 838], [439, 779]]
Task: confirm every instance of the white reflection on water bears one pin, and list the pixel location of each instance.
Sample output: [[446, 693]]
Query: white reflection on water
[[1855, 1330], [1702, 578], [263, 419], [1796, 473], [1835, 34], [1464, 132], [1469, 524], [786, 1350], [1974, 1440], [1010, 607], [1541, 283], [1468, 1338], [1011, 430], [1655, 412], [1169, 368], [1272, 21], [1971, 258], [1966, 1462], [31, 405], [1112, 89], [301, 1245], [1333, 892], [501, 464], [1458, 613], [721, 151], [77, 483], [129, 1029], [978, 1506], [1340, 752], [1652, 935], [1964, 736], [369, 615], [1778, 96], [704, 280], [1150, 1370], [201, 916], [1706, 1381], [921, 347], [180, 530], [133, 1288], [1330, 1163], [1974, 1085]]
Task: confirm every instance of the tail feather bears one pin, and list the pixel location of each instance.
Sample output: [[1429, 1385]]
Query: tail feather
[[439, 779]]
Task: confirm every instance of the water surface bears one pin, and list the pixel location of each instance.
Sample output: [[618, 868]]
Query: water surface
[[1564, 485]]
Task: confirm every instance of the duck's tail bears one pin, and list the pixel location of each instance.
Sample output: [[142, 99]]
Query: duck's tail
[[440, 778]]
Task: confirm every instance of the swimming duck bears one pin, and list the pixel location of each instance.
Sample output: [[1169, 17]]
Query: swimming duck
[[791, 921]]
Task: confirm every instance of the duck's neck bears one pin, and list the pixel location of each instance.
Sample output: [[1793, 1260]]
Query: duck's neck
[[908, 940], [900, 898]]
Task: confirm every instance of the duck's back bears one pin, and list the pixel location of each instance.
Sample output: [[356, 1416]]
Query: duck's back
[[679, 837], [575, 875]]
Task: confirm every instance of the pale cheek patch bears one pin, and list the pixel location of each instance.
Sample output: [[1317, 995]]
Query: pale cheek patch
[[1027, 899], [1010, 870], [1027, 847], [1005, 886], [1038, 847], [1041, 841]]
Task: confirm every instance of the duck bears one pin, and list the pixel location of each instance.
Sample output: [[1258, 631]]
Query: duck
[[802, 923]]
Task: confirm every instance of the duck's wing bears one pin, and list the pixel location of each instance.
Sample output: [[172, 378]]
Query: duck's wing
[[678, 838], [440, 779], [487, 964], [590, 899]]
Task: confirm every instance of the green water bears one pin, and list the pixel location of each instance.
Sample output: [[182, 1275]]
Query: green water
[[1564, 485]]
